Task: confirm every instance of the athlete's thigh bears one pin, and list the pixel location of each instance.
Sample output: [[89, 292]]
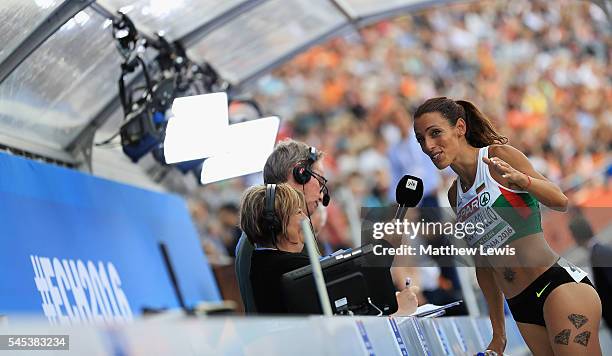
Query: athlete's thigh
[[573, 312], [536, 338]]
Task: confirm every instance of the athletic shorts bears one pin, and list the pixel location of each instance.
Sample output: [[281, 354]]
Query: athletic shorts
[[528, 306]]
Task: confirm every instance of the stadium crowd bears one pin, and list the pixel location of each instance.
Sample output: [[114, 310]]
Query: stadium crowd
[[540, 70]]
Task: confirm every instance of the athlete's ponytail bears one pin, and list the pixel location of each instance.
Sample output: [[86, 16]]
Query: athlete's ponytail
[[479, 129]]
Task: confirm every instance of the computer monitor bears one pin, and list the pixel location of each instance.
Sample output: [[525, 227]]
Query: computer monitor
[[351, 279]]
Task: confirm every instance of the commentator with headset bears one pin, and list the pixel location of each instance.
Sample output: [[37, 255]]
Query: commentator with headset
[[300, 166], [271, 216]]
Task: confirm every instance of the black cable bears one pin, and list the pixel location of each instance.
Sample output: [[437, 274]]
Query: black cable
[[146, 75], [108, 140]]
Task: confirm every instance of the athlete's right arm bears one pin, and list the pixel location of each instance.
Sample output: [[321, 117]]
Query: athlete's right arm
[[490, 289], [495, 301]]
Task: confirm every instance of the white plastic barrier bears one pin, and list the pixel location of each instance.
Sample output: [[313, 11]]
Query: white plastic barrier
[[81, 340], [413, 333], [484, 326], [436, 337], [470, 334], [515, 344], [384, 335], [455, 338], [175, 334], [347, 333]]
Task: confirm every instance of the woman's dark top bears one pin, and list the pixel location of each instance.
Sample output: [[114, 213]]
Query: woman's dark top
[[267, 269]]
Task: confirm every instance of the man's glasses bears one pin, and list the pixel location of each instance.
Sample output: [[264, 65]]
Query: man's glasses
[[322, 185], [322, 181]]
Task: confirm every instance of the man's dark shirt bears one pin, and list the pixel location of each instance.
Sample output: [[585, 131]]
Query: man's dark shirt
[[267, 269], [601, 257]]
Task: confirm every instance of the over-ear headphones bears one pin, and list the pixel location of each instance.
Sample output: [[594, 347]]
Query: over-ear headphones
[[302, 173], [271, 220]]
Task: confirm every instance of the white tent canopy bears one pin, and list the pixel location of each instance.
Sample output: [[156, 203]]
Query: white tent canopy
[[59, 64]]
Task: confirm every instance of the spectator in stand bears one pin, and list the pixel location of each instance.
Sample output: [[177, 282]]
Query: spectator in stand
[[600, 257], [229, 218], [541, 69]]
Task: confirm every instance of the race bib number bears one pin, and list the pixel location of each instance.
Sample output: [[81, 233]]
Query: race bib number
[[576, 273], [497, 231]]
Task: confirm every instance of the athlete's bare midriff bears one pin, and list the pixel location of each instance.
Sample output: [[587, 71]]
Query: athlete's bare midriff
[[532, 257]]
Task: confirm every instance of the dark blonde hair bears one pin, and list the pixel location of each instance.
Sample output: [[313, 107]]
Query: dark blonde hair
[[287, 202], [479, 129]]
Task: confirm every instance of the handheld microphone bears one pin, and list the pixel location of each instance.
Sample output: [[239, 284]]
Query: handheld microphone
[[408, 194]]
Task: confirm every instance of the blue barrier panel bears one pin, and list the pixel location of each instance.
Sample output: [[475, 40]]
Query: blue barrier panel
[[414, 336], [468, 331], [76, 247], [381, 335], [455, 339], [436, 338], [365, 338], [399, 339]]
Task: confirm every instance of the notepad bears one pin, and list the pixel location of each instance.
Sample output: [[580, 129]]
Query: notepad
[[430, 310]]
